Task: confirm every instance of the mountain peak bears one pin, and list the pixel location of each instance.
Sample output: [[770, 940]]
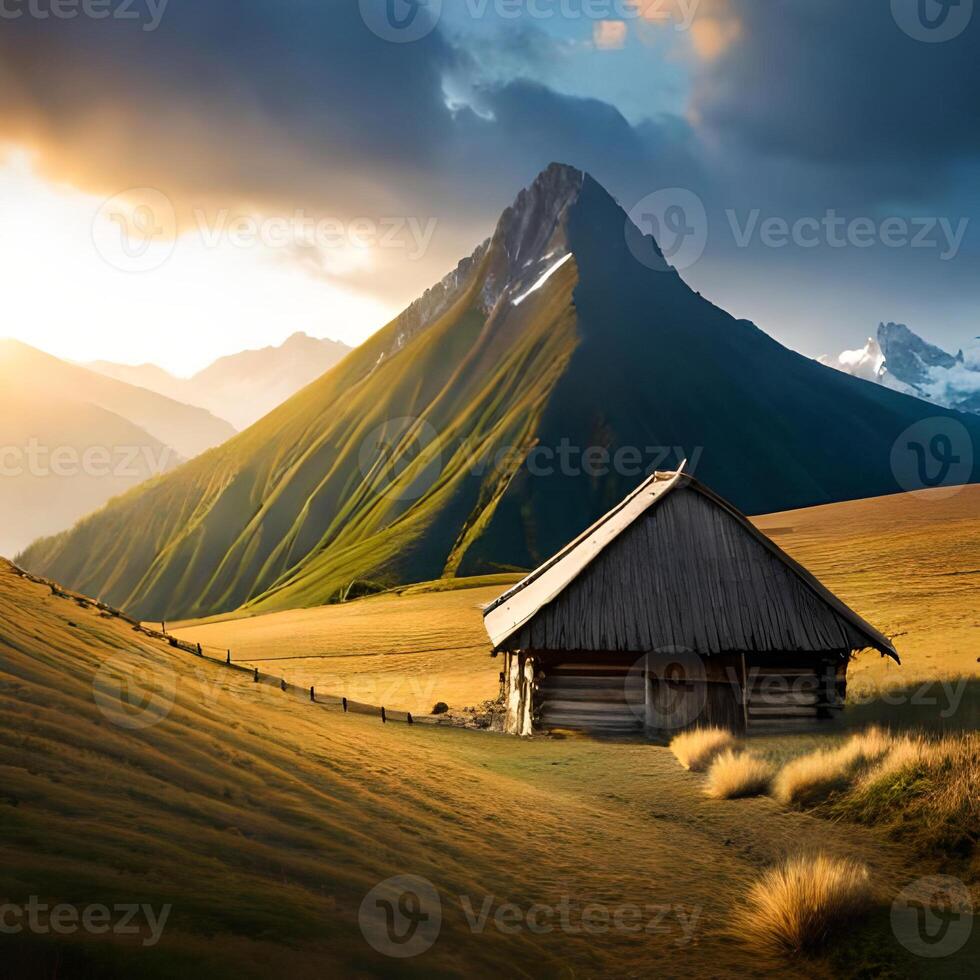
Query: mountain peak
[[532, 232], [529, 224], [559, 179], [909, 357]]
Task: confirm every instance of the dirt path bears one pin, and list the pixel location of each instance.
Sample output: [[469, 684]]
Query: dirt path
[[649, 836]]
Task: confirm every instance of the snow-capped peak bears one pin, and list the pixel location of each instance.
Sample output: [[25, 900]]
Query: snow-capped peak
[[901, 360]]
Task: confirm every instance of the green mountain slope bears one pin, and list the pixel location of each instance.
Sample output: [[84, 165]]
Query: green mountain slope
[[410, 459]]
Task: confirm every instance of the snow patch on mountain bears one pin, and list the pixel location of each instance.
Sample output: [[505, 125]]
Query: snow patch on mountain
[[547, 275], [531, 232]]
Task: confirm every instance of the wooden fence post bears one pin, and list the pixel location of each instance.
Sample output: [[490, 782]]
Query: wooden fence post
[[228, 658], [256, 675], [313, 694]]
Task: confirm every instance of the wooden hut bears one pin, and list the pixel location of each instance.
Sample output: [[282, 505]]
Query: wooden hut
[[672, 611]]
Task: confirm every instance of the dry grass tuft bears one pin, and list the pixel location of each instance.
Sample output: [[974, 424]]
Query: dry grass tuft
[[926, 790], [697, 748], [810, 779], [796, 907], [737, 774]]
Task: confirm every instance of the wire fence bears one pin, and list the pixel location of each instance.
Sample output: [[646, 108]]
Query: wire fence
[[224, 658]]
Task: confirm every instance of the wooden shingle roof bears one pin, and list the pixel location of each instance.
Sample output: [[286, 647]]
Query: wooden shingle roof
[[695, 574]]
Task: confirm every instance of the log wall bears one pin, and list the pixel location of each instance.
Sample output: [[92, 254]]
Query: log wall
[[612, 694]]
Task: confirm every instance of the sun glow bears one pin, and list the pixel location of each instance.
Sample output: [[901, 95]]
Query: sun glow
[[87, 279]]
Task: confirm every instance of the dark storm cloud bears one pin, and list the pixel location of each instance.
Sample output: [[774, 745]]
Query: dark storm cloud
[[299, 102], [272, 106], [242, 94], [839, 83]]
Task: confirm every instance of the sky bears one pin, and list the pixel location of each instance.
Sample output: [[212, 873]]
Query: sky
[[180, 180]]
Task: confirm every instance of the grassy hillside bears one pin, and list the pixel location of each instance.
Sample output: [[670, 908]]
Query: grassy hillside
[[909, 564], [298, 507], [264, 822], [410, 460]]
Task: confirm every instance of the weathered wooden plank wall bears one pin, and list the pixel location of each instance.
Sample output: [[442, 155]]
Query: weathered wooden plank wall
[[612, 693]]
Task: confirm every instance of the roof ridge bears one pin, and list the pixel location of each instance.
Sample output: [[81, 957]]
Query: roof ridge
[[545, 566]]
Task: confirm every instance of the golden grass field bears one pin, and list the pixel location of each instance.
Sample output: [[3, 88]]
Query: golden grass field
[[265, 820], [910, 564]]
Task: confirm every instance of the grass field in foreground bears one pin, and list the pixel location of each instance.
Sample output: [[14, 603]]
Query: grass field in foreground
[[265, 821], [910, 564]]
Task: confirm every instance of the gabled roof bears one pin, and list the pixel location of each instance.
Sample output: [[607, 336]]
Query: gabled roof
[[507, 615]]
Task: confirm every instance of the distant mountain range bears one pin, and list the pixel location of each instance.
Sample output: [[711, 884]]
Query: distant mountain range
[[901, 360], [495, 418], [240, 387], [71, 439]]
